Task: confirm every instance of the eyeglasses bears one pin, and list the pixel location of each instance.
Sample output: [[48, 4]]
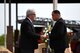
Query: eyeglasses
[[33, 14]]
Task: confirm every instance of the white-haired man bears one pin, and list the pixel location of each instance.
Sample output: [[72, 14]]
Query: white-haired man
[[28, 39]]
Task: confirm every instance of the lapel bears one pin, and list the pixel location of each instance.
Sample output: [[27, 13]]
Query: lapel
[[31, 24], [57, 23]]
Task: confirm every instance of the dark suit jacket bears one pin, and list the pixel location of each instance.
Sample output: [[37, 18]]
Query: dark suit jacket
[[58, 37], [28, 38]]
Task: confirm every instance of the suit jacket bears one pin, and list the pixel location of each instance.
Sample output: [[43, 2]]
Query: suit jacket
[[28, 37], [58, 36]]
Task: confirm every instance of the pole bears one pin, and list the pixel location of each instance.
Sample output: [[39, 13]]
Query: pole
[[55, 2], [16, 50], [10, 31], [5, 22], [9, 12], [16, 15]]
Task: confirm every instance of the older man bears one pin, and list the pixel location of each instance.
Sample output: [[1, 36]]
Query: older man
[[28, 39]]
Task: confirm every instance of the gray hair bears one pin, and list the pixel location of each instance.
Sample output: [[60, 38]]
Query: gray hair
[[29, 12]]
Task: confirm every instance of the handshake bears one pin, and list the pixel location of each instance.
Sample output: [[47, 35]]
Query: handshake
[[43, 36]]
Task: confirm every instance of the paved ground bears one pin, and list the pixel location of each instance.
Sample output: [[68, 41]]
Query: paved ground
[[68, 50], [4, 50]]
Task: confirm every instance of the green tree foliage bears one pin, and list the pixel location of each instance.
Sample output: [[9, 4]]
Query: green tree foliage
[[2, 39]]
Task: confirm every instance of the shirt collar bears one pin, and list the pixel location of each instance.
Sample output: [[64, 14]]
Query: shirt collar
[[30, 20]]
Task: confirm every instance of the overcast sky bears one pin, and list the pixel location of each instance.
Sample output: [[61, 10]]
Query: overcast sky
[[68, 12]]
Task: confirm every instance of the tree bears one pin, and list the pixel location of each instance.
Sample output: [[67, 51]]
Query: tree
[[2, 39]]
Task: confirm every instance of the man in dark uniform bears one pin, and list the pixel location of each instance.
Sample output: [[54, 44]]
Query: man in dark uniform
[[58, 36]]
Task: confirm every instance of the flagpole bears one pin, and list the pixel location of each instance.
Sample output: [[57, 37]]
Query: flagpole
[[5, 23], [55, 2]]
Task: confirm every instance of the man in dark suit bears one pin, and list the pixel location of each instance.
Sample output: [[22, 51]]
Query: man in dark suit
[[29, 39], [58, 36]]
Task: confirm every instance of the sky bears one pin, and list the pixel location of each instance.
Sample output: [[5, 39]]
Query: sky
[[68, 12]]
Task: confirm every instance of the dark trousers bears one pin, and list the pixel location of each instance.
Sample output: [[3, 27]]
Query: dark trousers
[[56, 50], [27, 51]]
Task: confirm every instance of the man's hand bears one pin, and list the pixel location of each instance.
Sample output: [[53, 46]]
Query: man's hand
[[43, 36]]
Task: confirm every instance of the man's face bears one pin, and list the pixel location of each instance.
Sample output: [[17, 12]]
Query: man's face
[[33, 16], [55, 17]]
